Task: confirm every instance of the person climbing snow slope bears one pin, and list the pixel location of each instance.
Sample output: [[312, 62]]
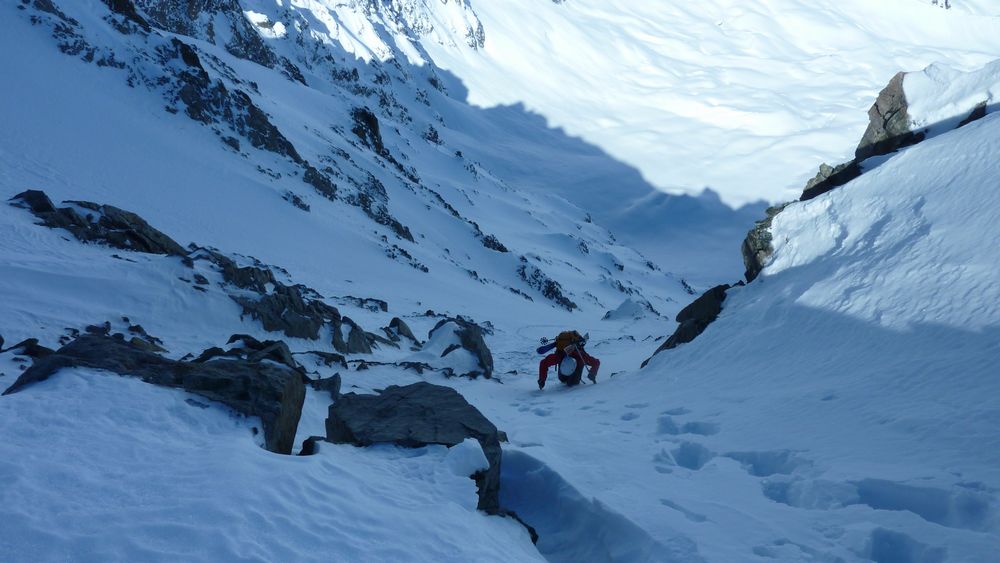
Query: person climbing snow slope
[[570, 356]]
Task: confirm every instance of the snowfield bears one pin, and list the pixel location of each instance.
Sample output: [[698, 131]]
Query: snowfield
[[746, 98], [841, 409]]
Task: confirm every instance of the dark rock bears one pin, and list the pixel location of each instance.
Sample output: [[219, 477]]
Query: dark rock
[[418, 367], [285, 308], [145, 345], [216, 352], [200, 279], [470, 336], [531, 530], [366, 127], [275, 351], [183, 17], [127, 9], [107, 224], [252, 350], [977, 113], [319, 181], [414, 416], [1, 342], [757, 247], [370, 303], [329, 358], [548, 287], [310, 446], [695, 318], [399, 329], [375, 341], [35, 201], [493, 243], [30, 348], [330, 384], [889, 123], [830, 177], [356, 342], [104, 329], [273, 393]]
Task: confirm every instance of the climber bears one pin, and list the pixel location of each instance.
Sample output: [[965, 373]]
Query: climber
[[570, 356]]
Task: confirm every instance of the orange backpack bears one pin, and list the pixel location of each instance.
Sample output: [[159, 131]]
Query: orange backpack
[[566, 338]]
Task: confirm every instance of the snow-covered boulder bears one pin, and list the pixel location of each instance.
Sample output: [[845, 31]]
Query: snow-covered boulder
[[271, 392], [630, 309], [418, 415], [458, 344]]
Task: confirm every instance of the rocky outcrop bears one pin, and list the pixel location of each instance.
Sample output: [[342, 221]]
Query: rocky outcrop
[[330, 385], [695, 318], [28, 347], [355, 342], [418, 415], [889, 129], [888, 123], [757, 247], [398, 329], [469, 337], [548, 287], [366, 127], [249, 349], [214, 21], [294, 310], [273, 393], [105, 224]]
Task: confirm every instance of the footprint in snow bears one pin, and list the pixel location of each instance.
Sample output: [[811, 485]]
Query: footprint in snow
[[630, 416]]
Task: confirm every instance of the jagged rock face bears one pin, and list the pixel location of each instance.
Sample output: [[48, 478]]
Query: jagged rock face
[[280, 307], [366, 127], [757, 247], [418, 415], [200, 18], [889, 123], [102, 223], [272, 393]]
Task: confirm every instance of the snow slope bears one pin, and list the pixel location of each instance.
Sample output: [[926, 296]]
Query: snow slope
[[838, 410], [134, 472], [746, 98]]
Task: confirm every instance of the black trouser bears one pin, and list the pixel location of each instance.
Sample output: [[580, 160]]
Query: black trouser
[[574, 378]]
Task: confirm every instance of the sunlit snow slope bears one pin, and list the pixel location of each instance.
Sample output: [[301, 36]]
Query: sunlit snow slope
[[746, 98]]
